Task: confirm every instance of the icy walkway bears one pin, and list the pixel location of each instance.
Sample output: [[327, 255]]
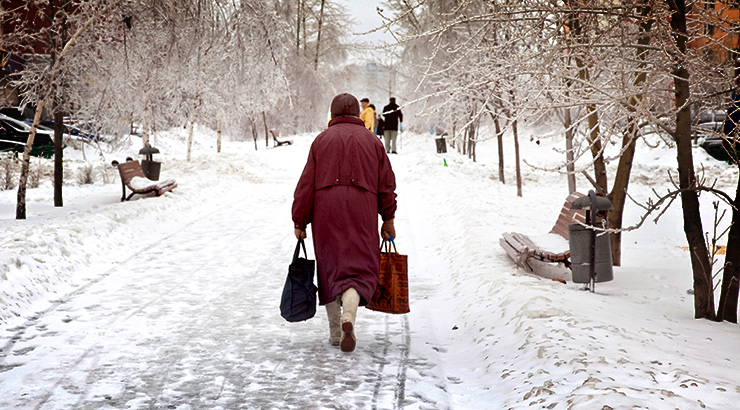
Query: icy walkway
[[191, 321]]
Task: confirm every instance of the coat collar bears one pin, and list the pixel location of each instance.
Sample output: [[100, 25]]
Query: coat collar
[[345, 119]]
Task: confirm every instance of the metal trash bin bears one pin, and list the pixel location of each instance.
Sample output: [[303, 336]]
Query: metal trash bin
[[580, 255], [590, 250], [150, 167], [441, 145]]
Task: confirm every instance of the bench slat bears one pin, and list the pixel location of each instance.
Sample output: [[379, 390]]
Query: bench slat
[[568, 216]]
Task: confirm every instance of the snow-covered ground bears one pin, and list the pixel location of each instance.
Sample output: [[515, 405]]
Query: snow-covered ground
[[172, 302]]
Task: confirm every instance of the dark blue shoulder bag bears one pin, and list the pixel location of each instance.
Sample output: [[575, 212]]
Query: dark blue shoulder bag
[[299, 293]]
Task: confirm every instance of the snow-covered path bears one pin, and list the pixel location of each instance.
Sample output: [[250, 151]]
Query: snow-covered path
[[191, 321], [172, 302]]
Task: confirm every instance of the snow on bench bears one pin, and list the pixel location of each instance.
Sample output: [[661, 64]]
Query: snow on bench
[[278, 143], [552, 248], [132, 176]]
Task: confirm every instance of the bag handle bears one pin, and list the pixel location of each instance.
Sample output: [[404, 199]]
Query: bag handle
[[387, 245], [297, 252]]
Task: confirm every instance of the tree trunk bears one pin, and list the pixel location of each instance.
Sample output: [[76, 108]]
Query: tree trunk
[[20, 208], [318, 37], [190, 140], [618, 195], [254, 132], [218, 137], [58, 158], [700, 265], [517, 160], [500, 139], [471, 141], [515, 130], [464, 144], [570, 165], [728, 298], [596, 148], [145, 131], [267, 133], [298, 13], [593, 117]]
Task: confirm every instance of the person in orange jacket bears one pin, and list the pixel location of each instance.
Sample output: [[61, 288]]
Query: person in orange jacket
[[368, 114]]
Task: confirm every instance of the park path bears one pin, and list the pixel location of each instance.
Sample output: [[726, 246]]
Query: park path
[[191, 321]]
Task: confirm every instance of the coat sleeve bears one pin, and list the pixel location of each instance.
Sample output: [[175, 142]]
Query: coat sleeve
[[304, 194], [386, 189]]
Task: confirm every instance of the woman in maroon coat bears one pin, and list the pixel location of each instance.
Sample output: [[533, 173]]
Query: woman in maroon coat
[[346, 183]]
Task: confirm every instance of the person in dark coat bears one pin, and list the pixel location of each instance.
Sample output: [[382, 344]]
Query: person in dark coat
[[392, 118], [379, 126], [346, 183]]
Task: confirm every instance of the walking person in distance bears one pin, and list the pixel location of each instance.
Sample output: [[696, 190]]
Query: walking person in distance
[[368, 114], [392, 118], [346, 182]]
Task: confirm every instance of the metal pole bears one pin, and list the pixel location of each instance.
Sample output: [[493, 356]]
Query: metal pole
[[592, 256]]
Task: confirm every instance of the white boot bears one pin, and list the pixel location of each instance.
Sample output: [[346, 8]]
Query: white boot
[[350, 302], [334, 312]]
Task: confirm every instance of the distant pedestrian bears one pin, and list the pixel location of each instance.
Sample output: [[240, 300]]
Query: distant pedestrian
[[393, 118], [368, 114], [346, 183], [379, 126]]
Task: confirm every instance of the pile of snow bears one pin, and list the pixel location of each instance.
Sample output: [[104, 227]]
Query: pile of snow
[[57, 250]]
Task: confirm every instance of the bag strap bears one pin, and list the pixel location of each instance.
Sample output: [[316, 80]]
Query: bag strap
[[297, 252], [387, 245]]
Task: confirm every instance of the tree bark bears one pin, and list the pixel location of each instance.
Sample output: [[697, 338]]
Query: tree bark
[[218, 137], [298, 13], [595, 143], [515, 130], [58, 158], [20, 208], [190, 140], [700, 265], [500, 139], [471, 141], [145, 131], [570, 166], [728, 298], [254, 131], [517, 160], [318, 37], [267, 133]]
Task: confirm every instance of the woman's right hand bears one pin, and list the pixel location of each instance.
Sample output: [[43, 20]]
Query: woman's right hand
[[388, 230]]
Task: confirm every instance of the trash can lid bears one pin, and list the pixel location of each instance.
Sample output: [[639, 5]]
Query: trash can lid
[[601, 203], [148, 149]]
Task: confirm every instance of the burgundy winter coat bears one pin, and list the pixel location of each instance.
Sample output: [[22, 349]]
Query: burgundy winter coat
[[347, 182]]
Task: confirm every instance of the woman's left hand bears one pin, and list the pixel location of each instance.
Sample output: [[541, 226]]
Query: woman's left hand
[[300, 233]]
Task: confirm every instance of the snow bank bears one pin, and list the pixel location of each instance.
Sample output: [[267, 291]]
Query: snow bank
[[58, 250]]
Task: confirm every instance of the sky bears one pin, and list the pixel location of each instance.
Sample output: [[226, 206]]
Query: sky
[[365, 15]]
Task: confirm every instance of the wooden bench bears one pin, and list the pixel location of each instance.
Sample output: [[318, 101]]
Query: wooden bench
[[523, 250], [277, 142], [133, 177]]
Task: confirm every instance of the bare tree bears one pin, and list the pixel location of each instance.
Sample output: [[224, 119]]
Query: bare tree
[[606, 64]]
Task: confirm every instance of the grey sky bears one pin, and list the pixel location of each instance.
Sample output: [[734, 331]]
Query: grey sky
[[366, 17]]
